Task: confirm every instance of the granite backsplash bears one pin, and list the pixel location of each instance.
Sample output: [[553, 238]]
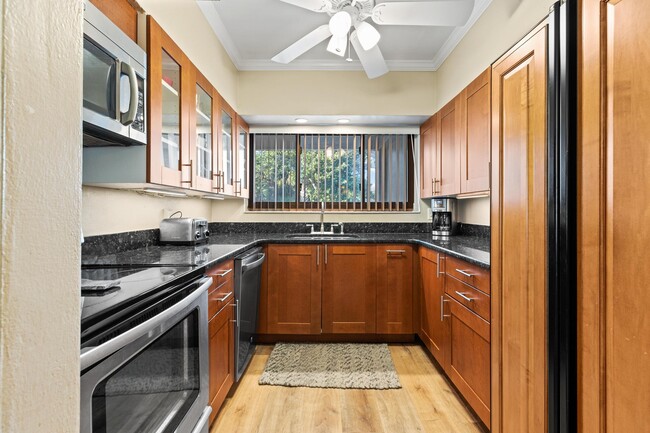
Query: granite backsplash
[[120, 242]]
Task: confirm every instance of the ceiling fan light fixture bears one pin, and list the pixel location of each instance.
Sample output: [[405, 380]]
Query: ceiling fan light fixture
[[368, 35], [337, 45], [340, 23]]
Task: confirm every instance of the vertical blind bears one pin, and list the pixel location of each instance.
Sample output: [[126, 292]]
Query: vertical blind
[[342, 171]]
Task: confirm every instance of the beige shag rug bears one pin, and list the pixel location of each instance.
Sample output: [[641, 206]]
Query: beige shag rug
[[360, 366]]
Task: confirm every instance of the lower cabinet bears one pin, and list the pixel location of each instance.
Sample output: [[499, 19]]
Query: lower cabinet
[[349, 289], [455, 327], [293, 292], [434, 330], [221, 330], [469, 357], [338, 289], [394, 289]]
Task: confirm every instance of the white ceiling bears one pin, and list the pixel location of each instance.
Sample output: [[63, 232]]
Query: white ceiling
[[329, 120], [253, 31]]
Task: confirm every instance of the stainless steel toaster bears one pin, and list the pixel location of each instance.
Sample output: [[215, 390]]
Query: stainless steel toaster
[[184, 231]]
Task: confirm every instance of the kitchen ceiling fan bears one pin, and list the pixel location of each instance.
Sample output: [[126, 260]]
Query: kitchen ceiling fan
[[346, 14]]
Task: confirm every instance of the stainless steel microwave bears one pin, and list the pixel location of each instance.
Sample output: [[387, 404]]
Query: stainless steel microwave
[[114, 84]]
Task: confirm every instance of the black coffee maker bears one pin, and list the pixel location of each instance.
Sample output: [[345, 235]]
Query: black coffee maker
[[444, 216]]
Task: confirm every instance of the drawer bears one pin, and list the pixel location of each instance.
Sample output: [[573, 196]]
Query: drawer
[[478, 301], [219, 297], [473, 275], [221, 273]]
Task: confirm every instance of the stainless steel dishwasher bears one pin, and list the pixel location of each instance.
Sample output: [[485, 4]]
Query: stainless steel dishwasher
[[248, 273]]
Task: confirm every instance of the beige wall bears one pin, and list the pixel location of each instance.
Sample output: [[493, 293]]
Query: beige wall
[[185, 23], [336, 92], [474, 211], [502, 25], [114, 211], [41, 189]]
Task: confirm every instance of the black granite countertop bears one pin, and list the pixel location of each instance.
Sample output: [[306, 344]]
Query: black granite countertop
[[473, 249]]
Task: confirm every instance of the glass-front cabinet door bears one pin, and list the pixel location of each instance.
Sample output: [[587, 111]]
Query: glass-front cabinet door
[[227, 147], [202, 135], [169, 72], [241, 179]]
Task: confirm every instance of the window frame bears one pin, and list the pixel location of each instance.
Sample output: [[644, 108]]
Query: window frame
[[332, 206]]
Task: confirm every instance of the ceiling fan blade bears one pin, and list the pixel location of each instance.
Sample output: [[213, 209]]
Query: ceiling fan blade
[[450, 13], [312, 5], [304, 44], [372, 60]]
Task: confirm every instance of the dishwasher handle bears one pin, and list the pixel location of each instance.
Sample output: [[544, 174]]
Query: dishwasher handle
[[258, 262]]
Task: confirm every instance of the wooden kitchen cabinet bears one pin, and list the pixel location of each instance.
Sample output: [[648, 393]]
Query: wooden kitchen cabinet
[[469, 357], [204, 155], [221, 331], [449, 122], [434, 329], [394, 289], [227, 148], [294, 289], [429, 157], [242, 180], [349, 289], [475, 135], [168, 87], [519, 237]]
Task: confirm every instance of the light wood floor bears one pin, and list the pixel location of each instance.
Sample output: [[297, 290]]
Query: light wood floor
[[425, 403]]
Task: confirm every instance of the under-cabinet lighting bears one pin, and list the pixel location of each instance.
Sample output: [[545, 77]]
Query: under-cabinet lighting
[[212, 197], [164, 192], [301, 120], [473, 195]]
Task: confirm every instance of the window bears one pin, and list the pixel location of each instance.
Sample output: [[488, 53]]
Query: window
[[354, 172]]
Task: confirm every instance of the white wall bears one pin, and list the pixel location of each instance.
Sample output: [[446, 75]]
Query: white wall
[[41, 189]]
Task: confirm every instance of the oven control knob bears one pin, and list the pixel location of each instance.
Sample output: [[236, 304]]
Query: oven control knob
[[207, 233], [197, 235]]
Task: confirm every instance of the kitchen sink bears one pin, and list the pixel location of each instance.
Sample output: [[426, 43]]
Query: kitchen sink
[[322, 237]]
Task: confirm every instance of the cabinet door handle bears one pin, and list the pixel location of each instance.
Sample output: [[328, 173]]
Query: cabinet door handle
[[442, 309], [391, 252], [438, 271], [215, 176], [224, 297], [238, 190], [467, 274], [223, 273], [325, 253], [317, 254], [465, 297], [433, 186]]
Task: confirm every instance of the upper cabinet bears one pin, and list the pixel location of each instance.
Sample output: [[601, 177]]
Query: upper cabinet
[[167, 90], [475, 135], [203, 133], [449, 144], [241, 178], [429, 157], [455, 144], [227, 118]]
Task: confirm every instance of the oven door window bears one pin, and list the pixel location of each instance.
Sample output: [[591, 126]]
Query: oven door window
[[155, 389], [99, 80]]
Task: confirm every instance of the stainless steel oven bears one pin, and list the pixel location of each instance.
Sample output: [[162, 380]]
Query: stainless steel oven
[[114, 75], [148, 371]]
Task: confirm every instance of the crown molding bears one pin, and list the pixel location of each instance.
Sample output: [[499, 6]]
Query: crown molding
[[209, 10], [459, 33]]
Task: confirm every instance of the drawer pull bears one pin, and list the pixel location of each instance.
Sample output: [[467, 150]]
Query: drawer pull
[[400, 252], [223, 273], [462, 295], [467, 274], [224, 297]]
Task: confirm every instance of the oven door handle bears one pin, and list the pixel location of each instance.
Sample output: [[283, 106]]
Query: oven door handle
[[203, 420], [93, 355]]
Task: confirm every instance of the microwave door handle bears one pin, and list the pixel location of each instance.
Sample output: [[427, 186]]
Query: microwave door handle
[[127, 118]]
